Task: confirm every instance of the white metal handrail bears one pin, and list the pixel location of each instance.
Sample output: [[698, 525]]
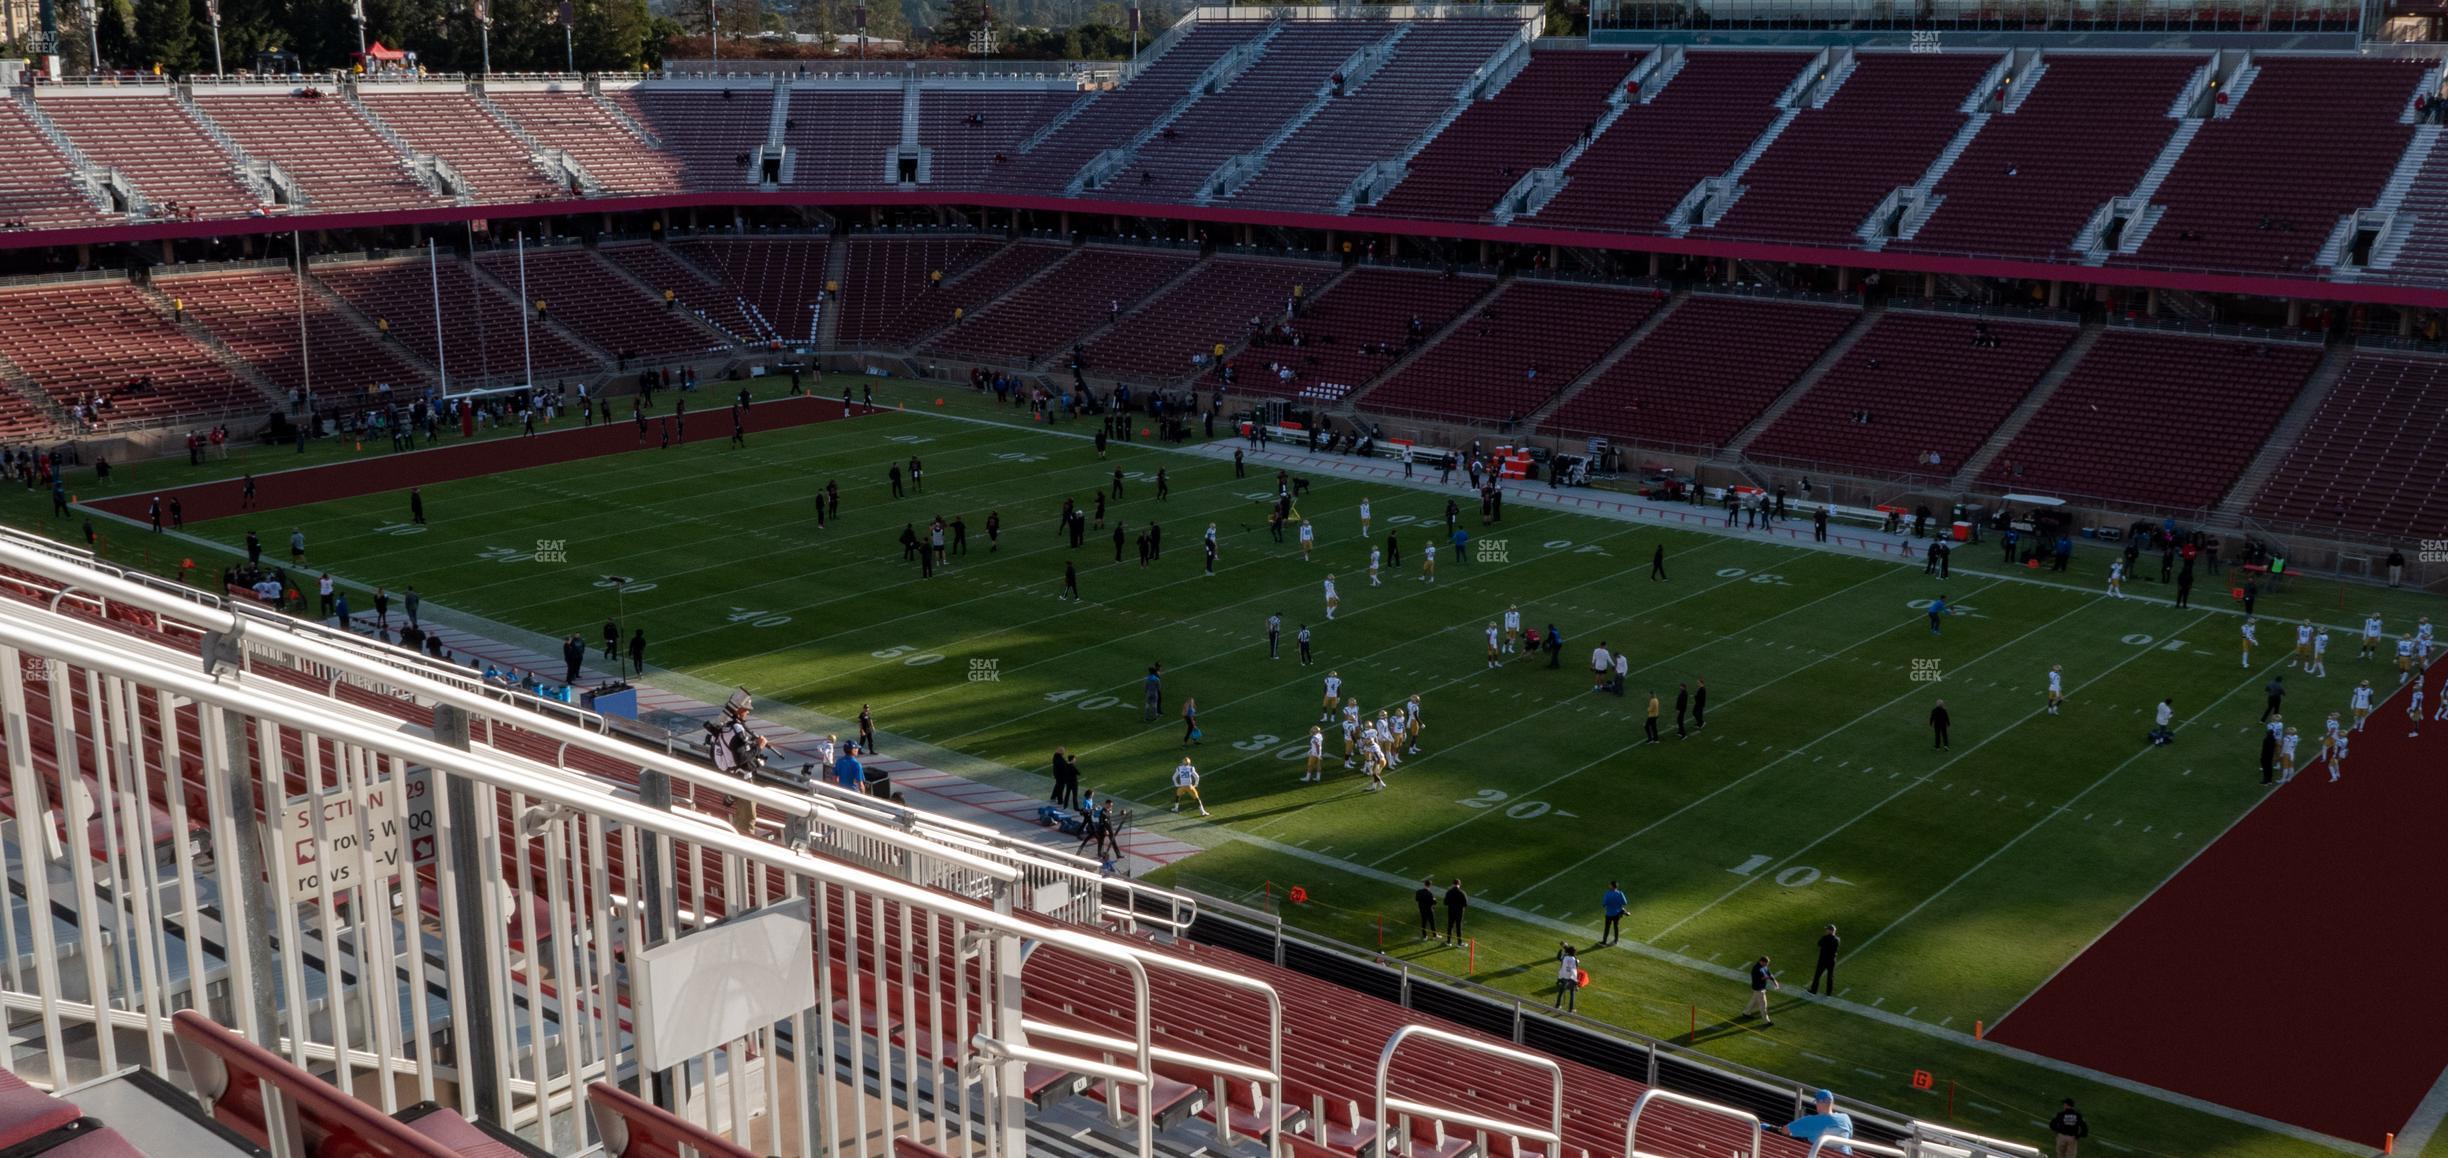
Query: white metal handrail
[[1552, 1133], [1827, 1142], [360, 740], [1749, 1120], [1943, 1134], [335, 654]]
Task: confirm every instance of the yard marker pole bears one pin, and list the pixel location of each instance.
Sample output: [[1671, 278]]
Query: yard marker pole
[[1978, 1031], [2388, 1145]]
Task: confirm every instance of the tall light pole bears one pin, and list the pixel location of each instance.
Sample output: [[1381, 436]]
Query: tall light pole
[[212, 14], [93, 36], [484, 33], [859, 13], [714, 29]]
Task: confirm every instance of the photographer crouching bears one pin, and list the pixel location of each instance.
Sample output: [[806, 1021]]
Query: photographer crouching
[[737, 751]]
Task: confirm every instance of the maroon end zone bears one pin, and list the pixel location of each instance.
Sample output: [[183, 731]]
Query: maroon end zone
[[2286, 971], [385, 470]]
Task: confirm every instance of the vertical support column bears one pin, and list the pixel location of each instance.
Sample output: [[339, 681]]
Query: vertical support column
[[239, 848], [473, 1008], [1008, 1115], [655, 791]]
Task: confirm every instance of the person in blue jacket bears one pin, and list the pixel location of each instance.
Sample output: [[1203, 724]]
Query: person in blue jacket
[[847, 771]]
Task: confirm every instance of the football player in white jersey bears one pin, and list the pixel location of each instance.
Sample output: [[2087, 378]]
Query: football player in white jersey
[[2405, 658], [1334, 696], [1494, 646], [2303, 646], [1308, 540], [1512, 629], [1412, 724], [2056, 687], [2286, 755], [2371, 637], [1376, 557], [2337, 758], [1317, 755], [2251, 638], [2361, 704], [1364, 518], [2320, 652], [1332, 600], [2116, 579]]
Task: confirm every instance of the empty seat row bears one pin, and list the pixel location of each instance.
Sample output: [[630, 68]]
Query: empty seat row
[[1092, 288], [2373, 457], [1369, 123], [1911, 386], [2308, 141], [1528, 124], [1526, 342], [2161, 419], [1346, 335], [1676, 387]]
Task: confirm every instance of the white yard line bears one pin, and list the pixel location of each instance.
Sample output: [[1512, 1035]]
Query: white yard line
[[1534, 793], [1910, 784], [2052, 814]]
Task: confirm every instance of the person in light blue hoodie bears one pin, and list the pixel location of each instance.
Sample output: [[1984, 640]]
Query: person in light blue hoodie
[[1825, 1121]]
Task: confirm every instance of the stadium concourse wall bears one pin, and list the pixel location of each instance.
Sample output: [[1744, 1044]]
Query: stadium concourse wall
[[1193, 217]]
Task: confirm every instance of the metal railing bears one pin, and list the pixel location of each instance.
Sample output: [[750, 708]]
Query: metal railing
[[1748, 1120], [377, 897], [1059, 884], [1389, 1106]]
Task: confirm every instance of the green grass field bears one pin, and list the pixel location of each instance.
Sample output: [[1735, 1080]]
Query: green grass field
[[1962, 880]]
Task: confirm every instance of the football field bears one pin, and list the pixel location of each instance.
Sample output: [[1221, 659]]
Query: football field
[[1961, 879]]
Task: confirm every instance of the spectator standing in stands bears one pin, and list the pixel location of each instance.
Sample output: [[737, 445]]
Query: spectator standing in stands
[[1456, 901], [2070, 1129], [1829, 942], [1426, 899]]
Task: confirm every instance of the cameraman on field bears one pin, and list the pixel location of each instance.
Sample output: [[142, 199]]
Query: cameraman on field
[[737, 751]]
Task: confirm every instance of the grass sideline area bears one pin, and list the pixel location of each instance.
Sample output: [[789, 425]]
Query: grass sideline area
[[1962, 880]]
